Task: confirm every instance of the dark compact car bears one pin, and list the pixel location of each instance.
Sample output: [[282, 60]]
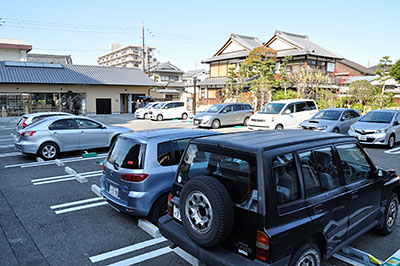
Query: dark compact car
[[140, 168], [277, 198]]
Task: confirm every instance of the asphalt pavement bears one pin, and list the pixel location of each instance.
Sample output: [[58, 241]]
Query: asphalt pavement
[[47, 217]]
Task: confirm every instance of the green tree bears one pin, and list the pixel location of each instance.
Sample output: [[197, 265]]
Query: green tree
[[307, 83], [384, 63], [233, 88], [260, 73], [395, 71], [281, 95]]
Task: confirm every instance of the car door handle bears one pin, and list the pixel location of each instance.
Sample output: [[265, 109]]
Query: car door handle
[[354, 195], [82, 132], [55, 133], [318, 209]]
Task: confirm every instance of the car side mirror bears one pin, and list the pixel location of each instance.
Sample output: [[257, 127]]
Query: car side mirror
[[103, 127], [396, 123], [343, 118], [386, 174], [287, 111]]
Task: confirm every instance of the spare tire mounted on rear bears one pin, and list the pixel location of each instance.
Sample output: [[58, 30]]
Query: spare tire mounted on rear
[[207, 211]]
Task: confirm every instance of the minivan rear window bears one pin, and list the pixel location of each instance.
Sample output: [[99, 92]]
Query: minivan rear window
[[236, 171], [127, 154]]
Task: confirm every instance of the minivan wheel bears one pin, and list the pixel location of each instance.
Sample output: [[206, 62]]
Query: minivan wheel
[[391, 141], [279, 127], [159, 118], [391, 213], [184, 116], [306, 255], [335, 130], [215, 124], [246, 121], [207, 211], [158, 209], [48, 151]]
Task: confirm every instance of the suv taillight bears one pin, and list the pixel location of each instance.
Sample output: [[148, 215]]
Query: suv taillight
[[134, 177], [170, 196], [28, 133], [262, 246], [23, 123]]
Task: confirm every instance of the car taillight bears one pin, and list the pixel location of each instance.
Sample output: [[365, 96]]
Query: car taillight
[[104, 166], [170, 196], [28, 133], [252, 113], [262, 246], [134, 177], [23, 123]]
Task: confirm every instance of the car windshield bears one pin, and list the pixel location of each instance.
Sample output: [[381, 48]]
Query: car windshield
[[272, 108], [148, 105], [127, 154], [158, 106], [327, 115], [378, 117], [214, 108]]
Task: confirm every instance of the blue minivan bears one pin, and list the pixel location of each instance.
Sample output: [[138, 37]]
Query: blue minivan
[[140, 168]]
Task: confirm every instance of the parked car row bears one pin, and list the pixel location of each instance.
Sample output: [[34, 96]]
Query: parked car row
[[163, 110]]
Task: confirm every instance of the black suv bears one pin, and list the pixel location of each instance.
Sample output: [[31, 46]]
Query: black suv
[[276, 198]]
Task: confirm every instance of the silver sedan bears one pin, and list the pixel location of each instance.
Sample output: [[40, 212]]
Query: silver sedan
[[48, 137]]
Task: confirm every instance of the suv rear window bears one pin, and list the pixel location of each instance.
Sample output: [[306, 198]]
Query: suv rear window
[[127, 154], [236, 171]]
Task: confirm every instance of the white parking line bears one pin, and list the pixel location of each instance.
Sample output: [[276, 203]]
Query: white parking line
[[118, 252], [393, 151], [75, 203], [61, 178], [10, 154], [6, 146], [4, 140], [143, 257], [81, 207], [67, 160]]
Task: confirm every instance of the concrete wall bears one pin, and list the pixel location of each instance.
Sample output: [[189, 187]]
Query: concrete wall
[[92, 92], [12, 55]]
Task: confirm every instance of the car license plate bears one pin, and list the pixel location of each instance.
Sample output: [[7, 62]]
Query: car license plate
[[177, 213], [113, 191], [364, 138], [196, 121]]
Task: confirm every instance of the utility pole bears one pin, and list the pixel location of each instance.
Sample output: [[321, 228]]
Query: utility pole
[[144, 68], [194, 95]]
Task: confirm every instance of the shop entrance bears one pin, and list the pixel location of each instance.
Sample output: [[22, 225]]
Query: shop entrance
[[103, 106]]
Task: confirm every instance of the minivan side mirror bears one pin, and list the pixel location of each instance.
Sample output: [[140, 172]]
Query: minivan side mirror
[[386, 174], [396, 123], [287, 111]]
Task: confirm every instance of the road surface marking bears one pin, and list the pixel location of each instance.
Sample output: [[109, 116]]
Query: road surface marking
[[143, 257], [60, 178], [10, 154], [66, 160], [121, 251], [4, 140], [75, 203], [393, 151], [6, 146]]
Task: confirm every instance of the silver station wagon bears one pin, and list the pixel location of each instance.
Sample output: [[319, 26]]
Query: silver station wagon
[[50, 136], [224, 114]]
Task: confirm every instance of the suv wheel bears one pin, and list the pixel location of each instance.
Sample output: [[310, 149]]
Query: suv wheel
[[215, 124], [207, 212], [184, 116], [160, 118], [279, 127], [391, 141], [158, 209], [391, 212], [48, 151], [246, 121], [306, 255]]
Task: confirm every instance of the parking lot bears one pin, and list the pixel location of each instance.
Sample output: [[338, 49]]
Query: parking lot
[[50, 217]]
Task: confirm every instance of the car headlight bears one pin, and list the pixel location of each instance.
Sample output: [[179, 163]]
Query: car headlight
[[322, 127], [382, 131]]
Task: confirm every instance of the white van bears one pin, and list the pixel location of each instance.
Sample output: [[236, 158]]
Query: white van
[[283, 114], [169, 110]]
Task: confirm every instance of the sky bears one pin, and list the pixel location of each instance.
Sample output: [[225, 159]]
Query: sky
[[187, 32]]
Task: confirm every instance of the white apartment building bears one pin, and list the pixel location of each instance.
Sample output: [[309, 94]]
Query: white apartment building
[[13, 50], [127, 56]]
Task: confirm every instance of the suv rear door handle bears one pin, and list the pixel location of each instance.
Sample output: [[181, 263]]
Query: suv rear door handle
[[318, 209], [354, 195]]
